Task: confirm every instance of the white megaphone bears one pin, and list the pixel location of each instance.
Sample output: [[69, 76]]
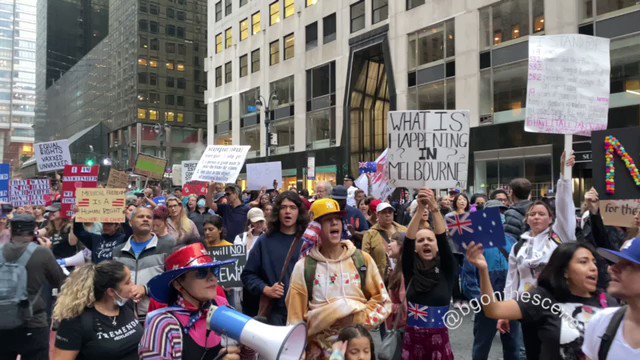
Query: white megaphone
[[271, 342]]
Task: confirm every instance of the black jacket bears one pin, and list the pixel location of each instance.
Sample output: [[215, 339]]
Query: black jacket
[[515, 224]]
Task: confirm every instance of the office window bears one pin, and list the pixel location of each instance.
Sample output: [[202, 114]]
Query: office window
[[227, 73], [143, 25], [180, 100], [274, 52], [248, 101], [142, 114], [222, 111], [171, 30], [320, 114], [154, 9], [154, 44], [143, 78], [357, 16], [219, 43], [170, 47], [219, 11], [509, 20], [219, 76], [154, 98], [169, 99], [284, 90], [227, 7], [414, 3], [181, 15], [509, 84], [153, 79], [153, 63], [170, 116], [170, 13], [153, 115], [311, 2], [144, 42], [181, 83], [289, 8], [169, 65], [182, 49], [243, 2], [255, 60], [329, 28], [143, 62], [244, 65], [181, 32], [170, 82], [180, 67], [153, 27], [180, 117], [244, 29], [289, 50], [274, 12], [380, 10], [255, 23], [431, 44], [228, 34], [311, 35]]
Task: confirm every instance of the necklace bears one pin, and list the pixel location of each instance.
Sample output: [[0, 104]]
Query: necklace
[[113, 320]]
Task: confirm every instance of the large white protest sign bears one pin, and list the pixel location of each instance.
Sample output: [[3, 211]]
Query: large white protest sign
[[362, 183], [52, 155], [428, 148], [176, 174], [262, 175], [568, 84], [221, 163], [188, 167]]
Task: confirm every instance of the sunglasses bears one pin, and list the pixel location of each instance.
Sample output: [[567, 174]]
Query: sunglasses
[[203, 273]]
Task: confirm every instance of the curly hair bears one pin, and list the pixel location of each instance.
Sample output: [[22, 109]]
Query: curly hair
[[86, 285], [303, 216]]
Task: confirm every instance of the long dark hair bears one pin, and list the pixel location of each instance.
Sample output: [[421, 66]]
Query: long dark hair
[[395, 279], [353, 332], [273, 225], [216, 221], [454, 206], [552, 277]]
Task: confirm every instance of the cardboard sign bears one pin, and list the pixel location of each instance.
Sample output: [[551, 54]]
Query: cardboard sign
[[118, 179], [613, 177], [29, 192], [221, 163], [5, 177], [261, 175], [52, 155], [75, 177], [428, 148], [196, 188], [230, 275], [619, 212], [100, 205], [188, 167], [150, 166], [380, 186], [568, 86], [482, 227]]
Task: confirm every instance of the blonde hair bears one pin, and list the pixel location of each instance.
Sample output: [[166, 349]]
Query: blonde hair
[[182, 225]]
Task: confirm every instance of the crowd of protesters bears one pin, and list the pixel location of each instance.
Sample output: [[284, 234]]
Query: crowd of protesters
[[563, 285]]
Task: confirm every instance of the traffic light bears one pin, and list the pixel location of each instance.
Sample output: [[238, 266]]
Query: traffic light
[[89, 162]]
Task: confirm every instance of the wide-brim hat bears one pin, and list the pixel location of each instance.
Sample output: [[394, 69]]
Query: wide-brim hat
[[189, 258]]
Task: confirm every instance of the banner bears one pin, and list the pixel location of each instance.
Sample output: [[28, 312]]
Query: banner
[[75, 177], [100, 205], [176, 175], [118, 179], [262, 175], [311, 168], [29, 192], [5, 177], [482, 227], [150, 166], [52, 155], [380, 186], [428, 148], [230, 275], [619, 212], [568, 84], [196, 188], [221, 163], [188, 167], [362, 183], [616, 157]]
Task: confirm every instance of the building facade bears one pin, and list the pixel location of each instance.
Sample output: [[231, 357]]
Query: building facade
[[331, 70], [17, 80]]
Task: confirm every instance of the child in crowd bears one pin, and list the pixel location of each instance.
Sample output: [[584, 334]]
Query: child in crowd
[[354, 343]]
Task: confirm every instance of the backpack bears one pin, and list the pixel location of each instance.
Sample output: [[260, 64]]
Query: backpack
[[15, 306], [310, 265], [609, 334]]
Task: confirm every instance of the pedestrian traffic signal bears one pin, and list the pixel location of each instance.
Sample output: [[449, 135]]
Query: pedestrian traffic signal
[[90, 162]]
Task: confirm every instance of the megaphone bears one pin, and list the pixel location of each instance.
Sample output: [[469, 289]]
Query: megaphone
[[271, 342]]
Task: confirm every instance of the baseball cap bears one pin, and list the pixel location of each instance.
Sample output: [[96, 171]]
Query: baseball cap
[[383, 206], [349, 177], [630, 251], [339, 193], [255, 215], [23, 222], [322, 207], [373, 205]]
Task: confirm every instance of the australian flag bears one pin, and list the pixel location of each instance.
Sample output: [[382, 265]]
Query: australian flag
[[368, 167], [484, 227]]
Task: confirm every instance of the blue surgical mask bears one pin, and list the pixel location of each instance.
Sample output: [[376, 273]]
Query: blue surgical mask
[[201, 203]]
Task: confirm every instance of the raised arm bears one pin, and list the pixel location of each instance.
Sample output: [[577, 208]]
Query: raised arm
[[209, 197], [565, 224]]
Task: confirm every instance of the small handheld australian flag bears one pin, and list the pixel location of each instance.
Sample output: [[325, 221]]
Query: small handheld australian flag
[[482, 227]]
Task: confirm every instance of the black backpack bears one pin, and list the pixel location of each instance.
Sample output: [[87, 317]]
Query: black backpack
[[607, 338]]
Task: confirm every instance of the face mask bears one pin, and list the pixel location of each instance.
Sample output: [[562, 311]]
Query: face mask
[[120, 301], [201, 203]]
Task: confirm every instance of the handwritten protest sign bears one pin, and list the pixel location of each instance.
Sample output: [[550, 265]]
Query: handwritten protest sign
[[100, 205], [29, 192], [75, 177], [221, 163], [616, 157], [188, 167], [380, 184], [568, 84], [52, 155], [428, 148], [230, 275], [619, 212], [5, 177], [150, 166], [117, 179], [261, 175]]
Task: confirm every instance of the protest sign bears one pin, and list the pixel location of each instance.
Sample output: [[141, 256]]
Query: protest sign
[[568, 84], [100, 205], [197, 188], [230, 275], [188, 167], [118, 179], [52, 155], [619, 212], [75, 177], [380, 186], [482, 227], [261, 175], [150, 166], [428, 148], [176, 175], [362, 183], [160, 201], [29, 192], [5, 177], [615, 163], [221, 163]]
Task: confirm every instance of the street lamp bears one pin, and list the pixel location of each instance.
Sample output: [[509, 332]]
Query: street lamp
[[271, 140]]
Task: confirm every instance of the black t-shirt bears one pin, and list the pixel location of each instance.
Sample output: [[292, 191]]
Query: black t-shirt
[[60, 245], [95, 336], [560, 326]]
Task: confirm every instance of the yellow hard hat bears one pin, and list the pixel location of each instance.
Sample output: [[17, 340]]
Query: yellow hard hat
[[322, 207]]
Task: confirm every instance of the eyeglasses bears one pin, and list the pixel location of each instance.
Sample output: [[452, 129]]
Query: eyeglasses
[[227, 194], [203, 273], [172, 206]]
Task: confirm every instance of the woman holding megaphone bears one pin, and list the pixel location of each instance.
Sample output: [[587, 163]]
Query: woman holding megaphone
[[180, 331]]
